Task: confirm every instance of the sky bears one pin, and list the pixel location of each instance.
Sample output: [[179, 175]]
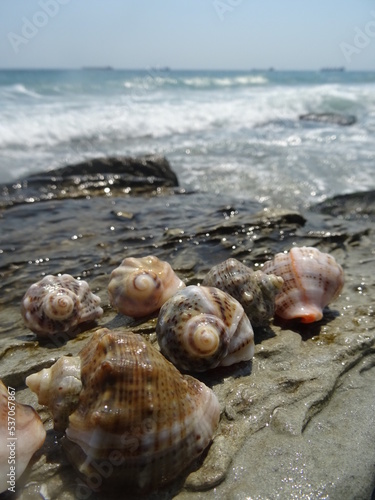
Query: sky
[[188, 34]]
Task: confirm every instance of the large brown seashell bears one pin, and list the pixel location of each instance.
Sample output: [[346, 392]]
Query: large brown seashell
[[254, 290], [203, 327], [21, 435], [58, 304], [139, 287], [136, 414], [312, 280]]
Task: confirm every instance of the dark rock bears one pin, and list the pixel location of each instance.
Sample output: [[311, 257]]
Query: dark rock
[[95, 177], [334, 118], [349, 206]]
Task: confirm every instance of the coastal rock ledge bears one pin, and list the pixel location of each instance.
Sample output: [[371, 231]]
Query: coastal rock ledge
[[297, 422], [114, 175]]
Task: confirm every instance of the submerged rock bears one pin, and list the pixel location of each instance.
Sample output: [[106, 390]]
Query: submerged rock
[[334, 118]]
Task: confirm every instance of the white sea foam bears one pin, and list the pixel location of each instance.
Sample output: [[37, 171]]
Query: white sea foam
[[232, 132]]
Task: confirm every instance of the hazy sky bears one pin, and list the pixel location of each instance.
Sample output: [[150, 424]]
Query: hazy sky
[[201, 34]]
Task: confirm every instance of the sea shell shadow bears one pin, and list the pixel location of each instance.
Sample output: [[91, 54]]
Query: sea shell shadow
[[307, 330], [220, 373]]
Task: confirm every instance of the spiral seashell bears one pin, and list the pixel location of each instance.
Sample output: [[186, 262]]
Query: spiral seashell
[[58, 387], [135, 412], [312, 280], [139, 287], [57, 304], [203, 327], [21, 425], [255, 291]]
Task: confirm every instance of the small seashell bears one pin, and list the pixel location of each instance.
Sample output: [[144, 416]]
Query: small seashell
[[59, 303], [21, 425], [312, 280], [203, 327], [139, 287], [58, 387], [255, 291], [135, 413]]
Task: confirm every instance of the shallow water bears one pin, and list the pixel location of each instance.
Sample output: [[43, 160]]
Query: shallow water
[[234, 133]]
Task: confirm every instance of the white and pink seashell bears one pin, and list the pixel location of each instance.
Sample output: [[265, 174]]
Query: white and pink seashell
[[140, 286], [21, 435], [58, 304], [312, 280], [203, 327]]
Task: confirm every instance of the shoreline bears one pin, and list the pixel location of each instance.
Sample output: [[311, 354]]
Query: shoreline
[[282, 408]]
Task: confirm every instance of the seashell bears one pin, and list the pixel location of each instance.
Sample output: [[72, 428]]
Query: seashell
[[254, 290], [59, 303], [203, 327], [139, 287], [312, 279], [136, 413], [28, 436]]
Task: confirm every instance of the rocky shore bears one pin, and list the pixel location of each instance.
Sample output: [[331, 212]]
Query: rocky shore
[[297, 421]]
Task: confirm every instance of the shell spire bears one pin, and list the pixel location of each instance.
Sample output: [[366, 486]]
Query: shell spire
[[203, 327], [58, 304], [139, 287]]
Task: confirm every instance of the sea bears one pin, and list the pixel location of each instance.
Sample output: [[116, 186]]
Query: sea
[[236, 133]]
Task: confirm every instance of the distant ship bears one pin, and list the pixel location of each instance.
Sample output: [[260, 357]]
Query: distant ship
[[97, 68], [338, 69]]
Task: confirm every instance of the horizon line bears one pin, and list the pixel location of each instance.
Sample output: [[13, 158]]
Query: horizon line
[[166, 69]]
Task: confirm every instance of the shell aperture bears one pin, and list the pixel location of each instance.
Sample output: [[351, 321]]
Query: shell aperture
[[312, 280]]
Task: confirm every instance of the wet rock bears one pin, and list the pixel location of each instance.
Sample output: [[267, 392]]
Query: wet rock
[[106, 176], [349, 206], [296, 420], [334, 118]]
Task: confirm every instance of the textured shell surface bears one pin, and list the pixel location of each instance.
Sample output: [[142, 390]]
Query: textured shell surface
[[254, 290], [201, 327], [58, 304], [140, 286], [312, 280], [58, 387], [29, 433], [137, 412]]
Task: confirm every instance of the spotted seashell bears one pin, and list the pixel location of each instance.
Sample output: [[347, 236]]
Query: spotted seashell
[[312, 280], [139, 287], [203, 327], [58, 304], [255, 291], [21, 435], [135, 412]]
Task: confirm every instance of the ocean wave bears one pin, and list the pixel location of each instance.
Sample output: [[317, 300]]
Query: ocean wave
[[17, 90]]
